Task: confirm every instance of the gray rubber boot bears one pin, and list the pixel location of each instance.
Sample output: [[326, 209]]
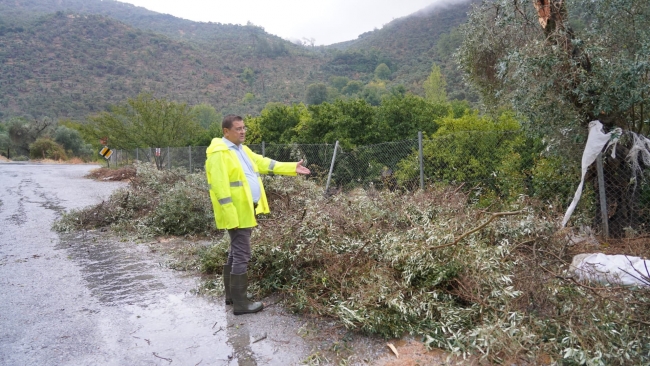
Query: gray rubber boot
[[226, 283], [241, 305]]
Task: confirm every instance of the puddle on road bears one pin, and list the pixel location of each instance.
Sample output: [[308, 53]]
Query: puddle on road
[[115, 274]]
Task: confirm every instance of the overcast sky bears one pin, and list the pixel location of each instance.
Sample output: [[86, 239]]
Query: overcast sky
[[326, 21]]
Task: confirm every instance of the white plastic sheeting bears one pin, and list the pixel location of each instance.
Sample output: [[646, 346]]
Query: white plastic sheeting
[[595, 143], [612, 269], [639, 152]]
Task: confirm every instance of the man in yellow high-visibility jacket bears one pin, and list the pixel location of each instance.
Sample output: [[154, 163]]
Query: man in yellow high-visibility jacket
[[237, 194]]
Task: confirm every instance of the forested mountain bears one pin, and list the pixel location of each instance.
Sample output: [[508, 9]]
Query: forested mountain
[[71, 58], [413, 43], [69, 65]]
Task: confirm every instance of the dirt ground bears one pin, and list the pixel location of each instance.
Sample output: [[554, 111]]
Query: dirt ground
[[413, 353]]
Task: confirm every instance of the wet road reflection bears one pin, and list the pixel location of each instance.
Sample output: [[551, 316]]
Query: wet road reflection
[[115, 274]]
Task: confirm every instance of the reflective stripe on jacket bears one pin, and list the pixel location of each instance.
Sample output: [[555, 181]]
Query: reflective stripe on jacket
[[230, 193]]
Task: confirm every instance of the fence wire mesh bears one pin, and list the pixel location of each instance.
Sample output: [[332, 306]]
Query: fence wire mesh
[[487, 164]]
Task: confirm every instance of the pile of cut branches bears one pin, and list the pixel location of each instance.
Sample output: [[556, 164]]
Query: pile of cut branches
[[156, 202], [434, 264]]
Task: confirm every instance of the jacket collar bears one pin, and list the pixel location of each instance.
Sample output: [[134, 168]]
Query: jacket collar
[[216, 145]]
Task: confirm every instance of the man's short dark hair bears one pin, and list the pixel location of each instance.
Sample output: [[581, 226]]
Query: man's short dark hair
[[229, 119]]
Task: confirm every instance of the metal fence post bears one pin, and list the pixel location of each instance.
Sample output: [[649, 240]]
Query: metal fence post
[[263, 149], [421, 160], [137, 155], [190, 149], [603, 197], [329, 176], [169, 159]]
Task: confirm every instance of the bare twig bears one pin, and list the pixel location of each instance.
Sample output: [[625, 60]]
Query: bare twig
[[639, 321], [459, 187], [593, 289], [352, 262], [643, 278], [302, 217], [494, 216], [410, 220], [523, 243], [162, 358], [554, 255], [260, 338]]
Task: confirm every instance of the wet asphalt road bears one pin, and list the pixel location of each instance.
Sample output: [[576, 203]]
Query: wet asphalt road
[[84, 299]]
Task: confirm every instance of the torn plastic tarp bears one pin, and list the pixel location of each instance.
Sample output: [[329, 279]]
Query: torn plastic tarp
[[595, 143], [612, 269]]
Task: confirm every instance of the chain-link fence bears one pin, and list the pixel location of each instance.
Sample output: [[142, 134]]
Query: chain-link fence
[[489, 165]]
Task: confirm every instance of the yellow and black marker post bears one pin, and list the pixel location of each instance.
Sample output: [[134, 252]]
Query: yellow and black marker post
[[106, 153]]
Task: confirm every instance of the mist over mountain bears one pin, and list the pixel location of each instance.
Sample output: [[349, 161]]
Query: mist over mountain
[[71, 58]]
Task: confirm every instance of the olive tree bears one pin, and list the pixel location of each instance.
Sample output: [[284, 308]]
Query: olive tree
[[146, 121], [562, 64], [72, 141], [23, 132]]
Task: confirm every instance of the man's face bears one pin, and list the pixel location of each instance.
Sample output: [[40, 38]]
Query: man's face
[[236, 134]]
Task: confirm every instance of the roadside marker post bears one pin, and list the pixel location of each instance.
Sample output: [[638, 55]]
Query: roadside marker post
[[106, 153]]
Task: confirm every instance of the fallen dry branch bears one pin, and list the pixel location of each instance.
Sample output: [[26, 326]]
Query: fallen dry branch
[[494, 216]]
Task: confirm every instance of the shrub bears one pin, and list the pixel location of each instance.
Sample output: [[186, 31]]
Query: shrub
[[70, 139], [491, 155], [46, 148]]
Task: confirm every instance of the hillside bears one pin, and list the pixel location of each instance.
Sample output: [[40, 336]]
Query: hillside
[[69, 65], [69, 58], [137, 17]]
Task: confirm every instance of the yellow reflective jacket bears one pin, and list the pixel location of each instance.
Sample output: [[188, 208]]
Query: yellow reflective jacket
[[230, 193]]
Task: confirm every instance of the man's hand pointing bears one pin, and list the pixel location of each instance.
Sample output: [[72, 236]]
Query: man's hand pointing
[[301, 169]]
